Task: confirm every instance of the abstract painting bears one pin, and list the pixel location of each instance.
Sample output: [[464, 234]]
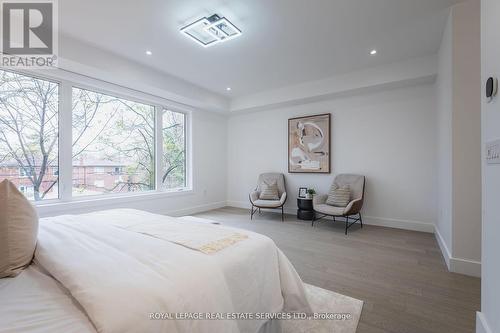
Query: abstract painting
[[309, 144]]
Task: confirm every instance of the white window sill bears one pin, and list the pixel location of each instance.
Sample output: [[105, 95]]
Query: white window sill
[[104, 200]]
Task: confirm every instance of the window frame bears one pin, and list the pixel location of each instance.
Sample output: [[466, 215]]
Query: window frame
[[69, 80], [187, 150]]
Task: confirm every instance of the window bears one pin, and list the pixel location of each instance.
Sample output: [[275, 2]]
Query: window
[[174, 150], [109, 133], [98, 170], [29, 134], [112, 144]]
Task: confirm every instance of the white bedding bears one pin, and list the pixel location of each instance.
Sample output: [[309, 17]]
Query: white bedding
[[119, 277], [34, 302]]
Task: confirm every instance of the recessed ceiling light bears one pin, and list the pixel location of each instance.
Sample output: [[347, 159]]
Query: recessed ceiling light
[[373, 52], [149, 52], [212, 30], [228, 88]]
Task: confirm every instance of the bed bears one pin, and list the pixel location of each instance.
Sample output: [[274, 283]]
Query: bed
[[132, 271]]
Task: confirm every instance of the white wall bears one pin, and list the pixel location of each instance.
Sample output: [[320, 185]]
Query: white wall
[[388, 136], [467, 133], [444, 99], [489, 318], [458, 228]]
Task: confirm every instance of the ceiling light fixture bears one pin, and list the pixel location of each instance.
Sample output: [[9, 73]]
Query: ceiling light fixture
[[212, 30], [373, 52], [228, 88], [149, 52]]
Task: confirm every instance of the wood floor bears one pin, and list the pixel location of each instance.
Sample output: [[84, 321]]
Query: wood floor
[[400, 275]]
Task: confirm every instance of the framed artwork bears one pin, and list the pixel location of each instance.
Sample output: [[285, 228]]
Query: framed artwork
[[302, 192], [309, 144]]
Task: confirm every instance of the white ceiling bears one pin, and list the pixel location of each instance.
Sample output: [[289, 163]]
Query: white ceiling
[[284, 42]]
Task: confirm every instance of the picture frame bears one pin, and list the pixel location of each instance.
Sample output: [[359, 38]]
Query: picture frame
[[302, 192], [309, 142]]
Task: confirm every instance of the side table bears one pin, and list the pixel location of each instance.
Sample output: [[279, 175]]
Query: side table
[[305, 211]]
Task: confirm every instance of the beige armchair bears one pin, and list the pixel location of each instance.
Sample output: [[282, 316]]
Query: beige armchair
[[357, 186], [257, 203]]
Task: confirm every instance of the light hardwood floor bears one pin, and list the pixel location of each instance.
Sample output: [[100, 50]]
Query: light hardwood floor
[[400, 275]]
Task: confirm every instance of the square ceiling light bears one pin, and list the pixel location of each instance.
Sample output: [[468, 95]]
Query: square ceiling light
[[212, 30]]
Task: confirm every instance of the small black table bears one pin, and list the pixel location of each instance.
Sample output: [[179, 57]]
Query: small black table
[[305, 211]]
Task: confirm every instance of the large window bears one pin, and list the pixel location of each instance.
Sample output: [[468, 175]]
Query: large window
[[115, 145], [29, 134]]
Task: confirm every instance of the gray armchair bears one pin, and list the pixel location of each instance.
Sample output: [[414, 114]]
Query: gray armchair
[[257, 203], [357, 186]]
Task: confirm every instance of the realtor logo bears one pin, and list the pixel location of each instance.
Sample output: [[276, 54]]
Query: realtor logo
[[29, 33]]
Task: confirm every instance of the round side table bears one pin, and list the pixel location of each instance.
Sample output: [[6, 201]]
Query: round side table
[[305, 211]]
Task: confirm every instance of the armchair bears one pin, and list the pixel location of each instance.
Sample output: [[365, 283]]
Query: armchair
[[357, 186], [257, 203]]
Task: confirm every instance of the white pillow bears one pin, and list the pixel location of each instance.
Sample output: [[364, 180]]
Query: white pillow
[[18, 230], [339, 196], [269, 191]]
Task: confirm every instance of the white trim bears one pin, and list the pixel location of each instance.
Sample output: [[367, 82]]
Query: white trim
[[457, 265], [482, 324], [56, 207], [444, 248], [159, 110], [465, 266], [65, 144], [369, 220], [399, 223]]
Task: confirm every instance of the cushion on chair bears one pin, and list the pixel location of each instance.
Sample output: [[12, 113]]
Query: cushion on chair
[[267, 203], [339, 196], [329, 210], [269, 191]]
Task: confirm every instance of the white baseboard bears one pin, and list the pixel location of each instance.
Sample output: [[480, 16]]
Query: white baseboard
[[482, 324], [399, 223], [370, 220], [444, 248], [465, 266], [196, 209], [457, 265]]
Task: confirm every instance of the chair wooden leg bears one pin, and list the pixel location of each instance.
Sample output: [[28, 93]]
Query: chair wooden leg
[[346, 224], [251, 213], [282, 214], [313, 219], [361, 220], [259, 211]]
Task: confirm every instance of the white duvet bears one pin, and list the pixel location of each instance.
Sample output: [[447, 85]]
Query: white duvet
[[120, 277]]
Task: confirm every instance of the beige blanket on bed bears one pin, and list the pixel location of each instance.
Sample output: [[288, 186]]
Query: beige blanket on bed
[[197, 236]]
